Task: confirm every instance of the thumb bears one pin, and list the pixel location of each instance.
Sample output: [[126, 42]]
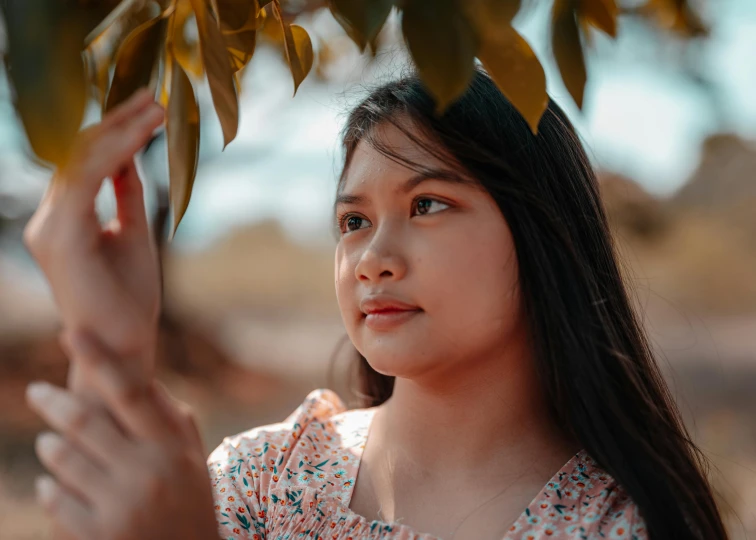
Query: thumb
[[129, 194]]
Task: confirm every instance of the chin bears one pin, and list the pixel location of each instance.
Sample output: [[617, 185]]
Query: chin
[[397, 361]]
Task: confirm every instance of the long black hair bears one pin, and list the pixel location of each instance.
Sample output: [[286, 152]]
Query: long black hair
[[593, 359]]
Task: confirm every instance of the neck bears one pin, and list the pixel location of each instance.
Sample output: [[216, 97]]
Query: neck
[[483, 422]]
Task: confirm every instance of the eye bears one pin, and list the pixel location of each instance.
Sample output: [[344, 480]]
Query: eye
[[351, 222], [424, 205]]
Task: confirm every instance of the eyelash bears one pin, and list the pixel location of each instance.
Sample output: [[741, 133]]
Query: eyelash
[[343, 217]]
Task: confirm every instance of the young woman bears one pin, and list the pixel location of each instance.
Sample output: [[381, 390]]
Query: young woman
[[509, 389]]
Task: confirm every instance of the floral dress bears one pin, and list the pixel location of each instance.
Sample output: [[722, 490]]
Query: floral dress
[[295, 479]]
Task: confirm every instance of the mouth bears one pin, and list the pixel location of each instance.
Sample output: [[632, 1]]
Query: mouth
[[388, 319]]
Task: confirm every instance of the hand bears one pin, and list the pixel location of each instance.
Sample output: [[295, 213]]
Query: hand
[[104, 280], [135, 471]]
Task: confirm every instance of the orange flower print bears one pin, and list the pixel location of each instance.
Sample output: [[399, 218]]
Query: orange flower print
[[261, 514], [249, 493], [228, 509], [275, 478], [237, 531], [264, 499], [241, 509], [249, 473], [217, 507], [231, 499], [223, 490]]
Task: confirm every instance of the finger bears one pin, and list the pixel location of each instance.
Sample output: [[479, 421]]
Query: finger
[[66, 510], [130, 402], [138, 101], [130, 198], [85, 423], [71, 467], [106, 152]]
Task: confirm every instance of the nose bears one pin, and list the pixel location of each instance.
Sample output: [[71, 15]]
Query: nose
[[381, 259]]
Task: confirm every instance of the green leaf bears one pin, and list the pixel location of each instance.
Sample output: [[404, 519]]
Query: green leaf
[[220, 75], [182, 128], [361, 19], [515, 69], [443, 45], [600, 13], [136, 61], [568, 51]]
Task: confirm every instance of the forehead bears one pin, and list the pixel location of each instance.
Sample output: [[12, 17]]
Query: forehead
[[369, 164]]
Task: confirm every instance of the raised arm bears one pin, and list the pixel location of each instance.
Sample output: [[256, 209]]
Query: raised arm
[[105, 280]]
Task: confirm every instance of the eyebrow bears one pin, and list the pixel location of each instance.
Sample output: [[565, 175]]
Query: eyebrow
[[409, 184]]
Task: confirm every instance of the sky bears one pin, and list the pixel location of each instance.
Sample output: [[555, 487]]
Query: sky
[[639, 119]]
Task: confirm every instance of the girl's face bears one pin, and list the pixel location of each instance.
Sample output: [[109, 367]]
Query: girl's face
[[438, 246]]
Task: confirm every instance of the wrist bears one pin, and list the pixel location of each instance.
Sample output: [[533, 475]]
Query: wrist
[[139, 363]]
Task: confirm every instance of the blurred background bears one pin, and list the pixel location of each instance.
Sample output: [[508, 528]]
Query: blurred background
[[251, 322]]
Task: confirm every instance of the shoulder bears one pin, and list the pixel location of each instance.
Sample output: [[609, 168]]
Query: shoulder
[[246, 466], [583, 501], [270, 456], [318, 407]]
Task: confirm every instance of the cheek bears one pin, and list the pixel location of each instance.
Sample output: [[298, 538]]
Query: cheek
[[344, 281], [473, 278]]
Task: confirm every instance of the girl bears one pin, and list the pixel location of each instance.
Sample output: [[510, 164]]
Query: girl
[[509, 390]]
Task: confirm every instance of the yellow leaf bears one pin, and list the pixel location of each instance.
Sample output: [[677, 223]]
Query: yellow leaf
[[515, 69], [443, 45], [220, 75], [136, 61], [121, 11], [489, 16], [600, 13], [298, 47], [165, 80], [45, 69], [241, 42], [182, 128], [567, 49], [236, 14], [186, 53]]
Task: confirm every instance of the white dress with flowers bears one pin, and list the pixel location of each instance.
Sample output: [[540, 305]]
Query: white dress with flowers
[[295, 479]]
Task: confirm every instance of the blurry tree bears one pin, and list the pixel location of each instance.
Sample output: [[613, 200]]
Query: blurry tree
[[148, 43]]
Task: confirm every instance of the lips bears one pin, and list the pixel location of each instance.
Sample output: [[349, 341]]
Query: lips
[[377, 304], [383, 313]]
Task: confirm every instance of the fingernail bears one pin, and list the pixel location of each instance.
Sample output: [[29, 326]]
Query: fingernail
[[47, 443], [45, 487], [37, 391]]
